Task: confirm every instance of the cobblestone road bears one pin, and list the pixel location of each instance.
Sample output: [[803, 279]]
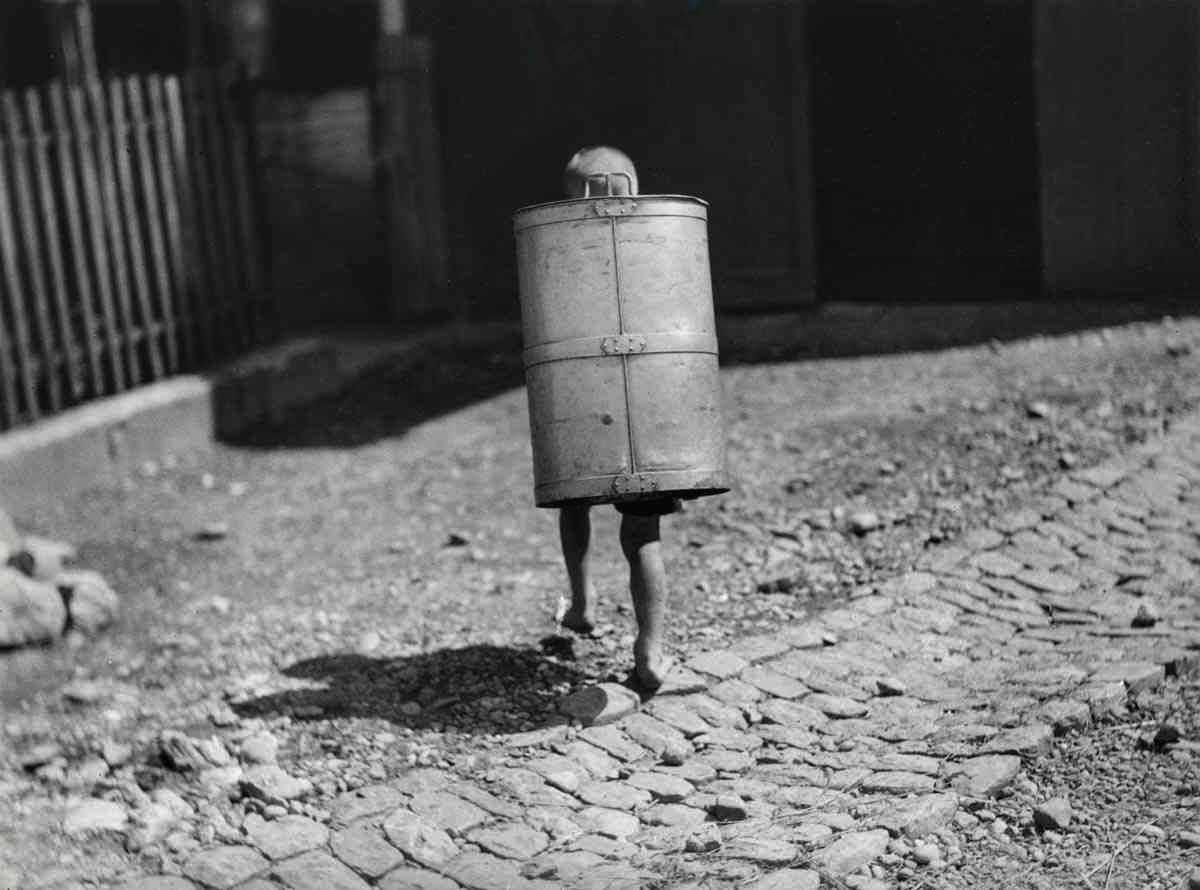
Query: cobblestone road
[[793, 760]]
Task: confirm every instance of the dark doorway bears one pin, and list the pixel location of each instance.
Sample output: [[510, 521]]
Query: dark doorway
[[925, 149], [702, 95]]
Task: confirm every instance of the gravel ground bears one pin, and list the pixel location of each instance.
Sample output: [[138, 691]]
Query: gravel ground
[[376, 588]]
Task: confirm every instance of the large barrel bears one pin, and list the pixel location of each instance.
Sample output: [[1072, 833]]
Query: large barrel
[[620, 349]]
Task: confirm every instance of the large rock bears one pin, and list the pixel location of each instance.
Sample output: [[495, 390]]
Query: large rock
[[30, 611], [41, 558], [91, 604]]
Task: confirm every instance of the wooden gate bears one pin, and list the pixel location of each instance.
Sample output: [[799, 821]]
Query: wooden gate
[[130, 247]]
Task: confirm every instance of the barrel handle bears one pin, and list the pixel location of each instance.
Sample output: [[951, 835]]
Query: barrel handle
[[587, 182]]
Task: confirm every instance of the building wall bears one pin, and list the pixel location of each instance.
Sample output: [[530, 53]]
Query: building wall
[[1117, 119], [321, 207]]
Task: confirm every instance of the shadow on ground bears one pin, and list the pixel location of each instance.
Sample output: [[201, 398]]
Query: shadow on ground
[[471, 365], [475, 689], [428, 381]]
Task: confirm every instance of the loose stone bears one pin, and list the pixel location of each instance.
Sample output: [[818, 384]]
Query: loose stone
[[447, 811], [272, 785], [985, 776], [317, 871], [727, 808], [284, 837], [1033, 740], [224, 867], [838, 707], [925, 854], [600, 704], [94, 814], [1053, 815], [363, 848], [663, 788], [611, 823], [718, 663], [418, 840], [511, 841], [851, 851]]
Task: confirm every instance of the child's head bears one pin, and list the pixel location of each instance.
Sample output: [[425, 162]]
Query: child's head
[[589, 166]]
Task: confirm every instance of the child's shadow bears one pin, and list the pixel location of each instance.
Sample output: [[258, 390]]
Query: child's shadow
[[477, 689]]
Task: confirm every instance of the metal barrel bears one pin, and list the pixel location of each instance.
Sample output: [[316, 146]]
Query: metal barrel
[[620, 349]]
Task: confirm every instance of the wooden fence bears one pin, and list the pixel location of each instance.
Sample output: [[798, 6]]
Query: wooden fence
[[130, 247]]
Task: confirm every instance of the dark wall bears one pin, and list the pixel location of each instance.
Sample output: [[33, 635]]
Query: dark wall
[[1117, 114], [925, 144], [699, 94]]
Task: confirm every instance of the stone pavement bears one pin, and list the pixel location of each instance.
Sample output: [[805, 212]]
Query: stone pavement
[[797, 760]]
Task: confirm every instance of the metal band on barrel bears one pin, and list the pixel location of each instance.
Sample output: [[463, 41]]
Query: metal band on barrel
[[620, 344]]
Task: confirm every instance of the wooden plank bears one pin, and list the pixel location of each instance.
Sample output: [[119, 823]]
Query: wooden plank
[[241, 197], [31, 241], [106, 149], [142, 120], [68, 151], [87, 140], [217, 145], [202, 187], [200, 290], [160, 128], [14, 288], [8, 370], [73, 360], [122, 139]]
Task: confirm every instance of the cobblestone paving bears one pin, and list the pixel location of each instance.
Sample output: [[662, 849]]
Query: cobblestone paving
[[791, 760]]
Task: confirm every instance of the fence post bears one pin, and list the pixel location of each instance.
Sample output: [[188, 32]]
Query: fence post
[[408, 178], [72, 360], [25, 217]]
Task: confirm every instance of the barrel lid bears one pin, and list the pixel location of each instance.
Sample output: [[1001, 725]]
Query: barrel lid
[[609, 206]]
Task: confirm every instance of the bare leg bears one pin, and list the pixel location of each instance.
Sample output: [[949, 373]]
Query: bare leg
[[648, 587], [575, 532]]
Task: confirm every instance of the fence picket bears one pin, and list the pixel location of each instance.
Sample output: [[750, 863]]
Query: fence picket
[[67, 149], [85, 140], [27, 222], [122, 138], [130, 236], [141, 121], [72, 360], [106, 151], [14, 290], [193, 240], [161, 130]]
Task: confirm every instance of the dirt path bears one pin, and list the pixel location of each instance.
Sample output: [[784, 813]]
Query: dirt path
[[381, 570]]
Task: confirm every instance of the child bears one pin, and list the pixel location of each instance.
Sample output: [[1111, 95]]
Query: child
[[596, 172]]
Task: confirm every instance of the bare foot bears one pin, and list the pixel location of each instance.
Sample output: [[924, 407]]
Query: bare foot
[[577, 619], [652, 670]]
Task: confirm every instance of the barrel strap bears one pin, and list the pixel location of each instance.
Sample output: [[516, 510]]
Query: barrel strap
[[621, 344]]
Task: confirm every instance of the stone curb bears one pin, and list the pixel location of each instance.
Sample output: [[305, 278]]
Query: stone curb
[[101, 442]]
